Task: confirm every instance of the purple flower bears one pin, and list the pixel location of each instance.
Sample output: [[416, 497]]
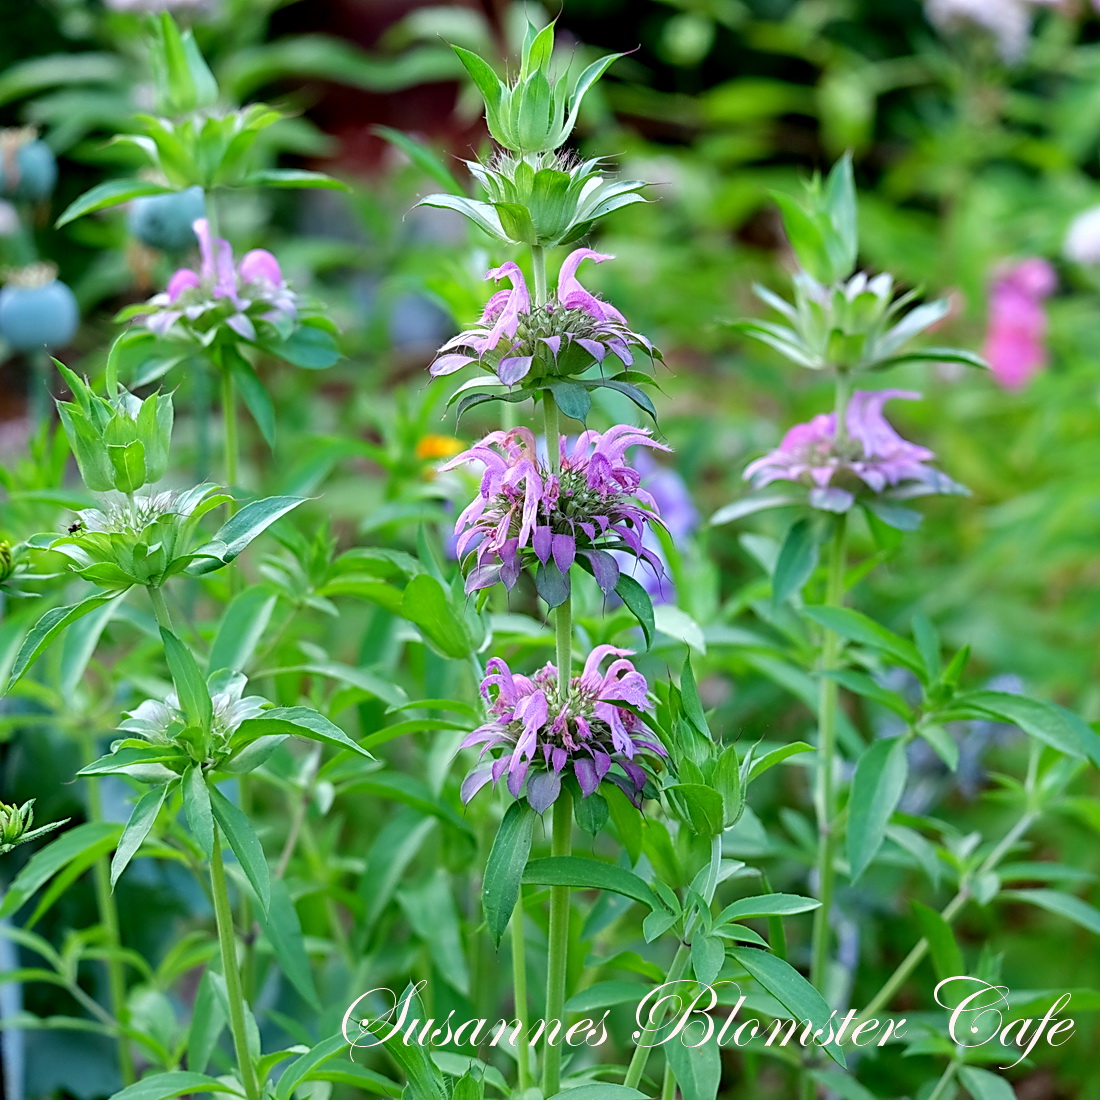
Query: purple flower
[[1015, 346], [873, 458], [514, 337], [221, 293], [594, 505], [594, 729]]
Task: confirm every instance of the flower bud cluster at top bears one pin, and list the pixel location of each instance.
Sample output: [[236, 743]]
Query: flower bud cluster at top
[[536, 194]]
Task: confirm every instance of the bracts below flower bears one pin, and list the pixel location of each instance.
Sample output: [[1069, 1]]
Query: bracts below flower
[[595, 731]]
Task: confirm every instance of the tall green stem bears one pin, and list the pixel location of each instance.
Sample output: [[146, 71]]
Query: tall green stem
[[843, 397], [538, 269], [228, 943], [558, 957], [519, 985], [108, 918], [229, 419], [825, 790], [944, 1083], [679, 964], [160, 608]]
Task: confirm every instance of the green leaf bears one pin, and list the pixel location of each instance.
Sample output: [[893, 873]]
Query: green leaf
[[877, 787], [846, 1087], [857, 627], [308, 346], [82, 845], [789, 988], [255, 395], [601, 1090], [425, 1082], [296, 722], [137, 829], [689, 699], [862, 684], [427, 604], [947, 959], [697, 1069], [242, 625], [109, 193], [639, 397], [504, 869], [638, 603], [1051, 724], [1063, 905], [194, 696], [163, 1086], [245, 845], [983, 1085], [284, 932], [777, 756], [422, 157], [48, 627], [767, 905], [707, 955], [573, 400], [208, 1019], [250, 522], [292, 177], [796, 562], [300, 1069], [196, 807], [699, 806], [588, 874], [552, 584]]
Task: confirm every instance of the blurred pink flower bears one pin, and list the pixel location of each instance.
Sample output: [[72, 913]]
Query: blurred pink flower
[[1015, 345]]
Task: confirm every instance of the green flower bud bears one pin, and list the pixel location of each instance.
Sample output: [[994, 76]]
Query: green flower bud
[[119, 444], [15, 826], [534, 114], [7, 561]]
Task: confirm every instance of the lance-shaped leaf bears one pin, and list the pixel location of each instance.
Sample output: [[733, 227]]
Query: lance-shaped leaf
[[251, 521], [295, 722], [504, 869]]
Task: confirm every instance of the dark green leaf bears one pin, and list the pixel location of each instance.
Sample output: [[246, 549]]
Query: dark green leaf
[[137, 829], [245, 844], [588, 874], [504, 869]]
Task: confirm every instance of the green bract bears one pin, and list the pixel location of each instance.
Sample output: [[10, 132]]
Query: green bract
[[857, 325], [145, 540], [533, 114], [545, 199], [209, 722], [119, 444], [16, 826]]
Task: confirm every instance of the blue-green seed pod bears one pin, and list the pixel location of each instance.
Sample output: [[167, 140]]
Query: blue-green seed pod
[[164, 221], [28, 167], [37, 310]]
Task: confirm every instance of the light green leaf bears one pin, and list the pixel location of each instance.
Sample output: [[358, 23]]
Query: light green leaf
[[877, 787], [137, 829], [284, 932], [789, 988]]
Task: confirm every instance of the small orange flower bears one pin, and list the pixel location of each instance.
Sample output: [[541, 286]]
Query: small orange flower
[[438, 446]]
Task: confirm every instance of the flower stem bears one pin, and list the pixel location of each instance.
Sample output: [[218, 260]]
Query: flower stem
[[944, 1083], [229, 415], [843, 397], [108, 918], [679, 964], [228, 942], [949, 912], [825, 792], [160, 608], [538, 269], [519, 984], [558, 957]]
